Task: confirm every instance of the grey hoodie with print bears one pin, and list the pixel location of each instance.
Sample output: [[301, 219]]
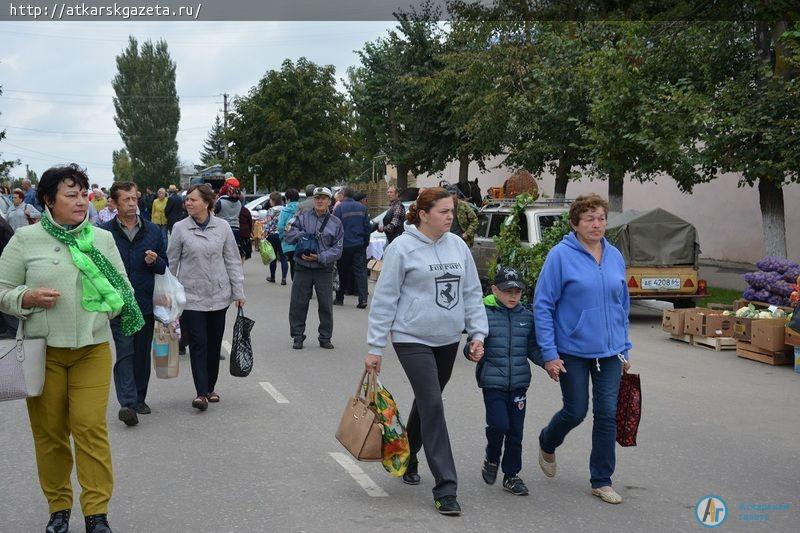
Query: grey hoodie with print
[[427, 293]]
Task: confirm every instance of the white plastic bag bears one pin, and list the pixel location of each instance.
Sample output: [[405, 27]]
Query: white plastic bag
[[169, 298]]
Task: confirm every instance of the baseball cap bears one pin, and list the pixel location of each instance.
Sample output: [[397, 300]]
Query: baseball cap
[[323, 191], [508, 278]]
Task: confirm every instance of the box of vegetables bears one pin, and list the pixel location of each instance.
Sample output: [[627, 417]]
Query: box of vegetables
[[744, 317]]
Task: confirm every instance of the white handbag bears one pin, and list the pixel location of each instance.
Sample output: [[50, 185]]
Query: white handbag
[[22, 363]]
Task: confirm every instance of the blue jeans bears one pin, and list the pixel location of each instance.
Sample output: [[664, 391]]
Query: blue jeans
[[132, 369], [505, 420], [575, 393]]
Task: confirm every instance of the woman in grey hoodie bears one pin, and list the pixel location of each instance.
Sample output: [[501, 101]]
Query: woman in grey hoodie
[[427, 294]]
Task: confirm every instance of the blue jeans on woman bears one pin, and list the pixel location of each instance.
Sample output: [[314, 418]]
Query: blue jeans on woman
[[575, 393]]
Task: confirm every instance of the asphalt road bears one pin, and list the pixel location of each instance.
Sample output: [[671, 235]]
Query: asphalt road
[[265, 459]]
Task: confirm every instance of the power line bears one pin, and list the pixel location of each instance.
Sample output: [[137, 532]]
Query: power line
[[86, 95], [60, 158], [48, 160], [68, 102], [250, 42], [204, 128]]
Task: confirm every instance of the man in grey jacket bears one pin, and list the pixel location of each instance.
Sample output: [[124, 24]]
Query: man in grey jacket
[[314, 270]]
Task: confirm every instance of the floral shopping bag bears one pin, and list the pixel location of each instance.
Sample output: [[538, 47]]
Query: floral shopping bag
[[396, 451]]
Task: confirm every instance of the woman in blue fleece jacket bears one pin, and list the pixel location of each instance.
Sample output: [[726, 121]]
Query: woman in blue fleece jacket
[[581, 308]]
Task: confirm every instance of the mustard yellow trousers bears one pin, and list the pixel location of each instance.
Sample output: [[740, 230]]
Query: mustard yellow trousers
[[74, 402]]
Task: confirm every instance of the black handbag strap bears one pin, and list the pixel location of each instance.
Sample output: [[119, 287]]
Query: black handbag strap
[[324, 223]]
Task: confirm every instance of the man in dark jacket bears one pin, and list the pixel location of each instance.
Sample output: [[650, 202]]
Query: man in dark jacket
[[143, 251], [504, 375], [146, 203], [174, 209], [356, 225]]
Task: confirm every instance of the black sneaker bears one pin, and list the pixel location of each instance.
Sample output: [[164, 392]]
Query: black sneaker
[[142, 408], [128, 415], [447, 505], [515, 486], [489, 472], [59, 522], [338, 301], [298, 344], [362, 305], [328, 345], [97, 523]]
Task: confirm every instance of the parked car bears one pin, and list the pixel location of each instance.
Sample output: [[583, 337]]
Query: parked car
[[258, 207], [538, 217]]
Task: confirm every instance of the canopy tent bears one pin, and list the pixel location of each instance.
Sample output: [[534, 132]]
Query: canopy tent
[[653, 238]]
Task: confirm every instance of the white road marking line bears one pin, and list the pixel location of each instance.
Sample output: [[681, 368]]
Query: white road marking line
[[226, 348], [357, 474], [280, 398]]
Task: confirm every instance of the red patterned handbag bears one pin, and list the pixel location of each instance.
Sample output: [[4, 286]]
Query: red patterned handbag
[[629, 409]]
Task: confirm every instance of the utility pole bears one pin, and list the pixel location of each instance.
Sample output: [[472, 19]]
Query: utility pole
[[225, 121]]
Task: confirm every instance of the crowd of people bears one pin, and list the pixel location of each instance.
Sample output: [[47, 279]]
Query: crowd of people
[[79, 265]]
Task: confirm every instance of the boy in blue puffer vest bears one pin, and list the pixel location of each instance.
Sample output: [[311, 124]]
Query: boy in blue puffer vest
[[504, 374]]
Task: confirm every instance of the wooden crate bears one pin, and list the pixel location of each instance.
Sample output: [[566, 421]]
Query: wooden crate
[[715, 343], [681, 338], [746, 350]]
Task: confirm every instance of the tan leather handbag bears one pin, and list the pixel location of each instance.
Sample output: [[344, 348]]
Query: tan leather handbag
[[359, 430]]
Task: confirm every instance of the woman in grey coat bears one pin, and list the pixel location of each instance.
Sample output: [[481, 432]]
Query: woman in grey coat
[[21, 214], [205, 258]]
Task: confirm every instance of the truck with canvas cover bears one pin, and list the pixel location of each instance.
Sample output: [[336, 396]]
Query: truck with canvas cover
[[661, 255]]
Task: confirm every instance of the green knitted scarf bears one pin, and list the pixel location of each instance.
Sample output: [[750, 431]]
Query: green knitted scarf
[[104, 288]]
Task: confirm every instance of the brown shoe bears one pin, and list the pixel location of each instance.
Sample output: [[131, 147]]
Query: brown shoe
[[213, 397], [201, 402]]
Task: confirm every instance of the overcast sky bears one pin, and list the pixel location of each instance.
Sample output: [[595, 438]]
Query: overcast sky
[[56, 79]]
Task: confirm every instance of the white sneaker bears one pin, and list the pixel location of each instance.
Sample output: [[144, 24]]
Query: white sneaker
[[608, 496], [547, 467]]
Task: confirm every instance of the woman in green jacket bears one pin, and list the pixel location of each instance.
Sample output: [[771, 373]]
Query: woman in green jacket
[[66, 278]]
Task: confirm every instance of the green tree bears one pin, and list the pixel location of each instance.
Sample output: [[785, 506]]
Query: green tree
[[395, 119], [32, 176], [213, 151], [550, 103], [291, 128], [380, 107], [464, 90], [752, 120], [147, 110], [121, 165], [735, 110]]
